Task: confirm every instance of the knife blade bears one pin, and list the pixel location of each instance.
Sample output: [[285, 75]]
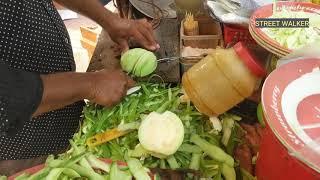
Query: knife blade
[[133, 90], [168, 59]]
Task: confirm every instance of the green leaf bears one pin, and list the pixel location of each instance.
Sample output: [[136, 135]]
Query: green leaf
[[195, 161], [23, 176], [138, 171], [116, 173], [173, 164], [190, 148]]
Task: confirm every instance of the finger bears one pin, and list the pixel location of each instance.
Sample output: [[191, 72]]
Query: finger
[[123, 93], [144, 20], [116, 47], [115, 101], [130, 82], [124, 45], [120, 93], [124, 80], [117, 51], [141, 39], [148, 25], [149, 37], [147, 31]]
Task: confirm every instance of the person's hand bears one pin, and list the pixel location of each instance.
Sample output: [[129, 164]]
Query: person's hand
[[109, 87], [140, 30]]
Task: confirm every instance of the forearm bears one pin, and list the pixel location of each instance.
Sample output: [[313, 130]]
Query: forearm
[[120, 30], [63, 89], [92, 9], [25, 95]]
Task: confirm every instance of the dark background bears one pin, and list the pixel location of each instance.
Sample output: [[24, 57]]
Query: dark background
[[104, 2]]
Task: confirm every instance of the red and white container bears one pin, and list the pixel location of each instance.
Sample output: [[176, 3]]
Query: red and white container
[[290, 147]]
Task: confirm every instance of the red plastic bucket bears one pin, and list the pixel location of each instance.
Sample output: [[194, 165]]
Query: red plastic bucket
[[290, 147]]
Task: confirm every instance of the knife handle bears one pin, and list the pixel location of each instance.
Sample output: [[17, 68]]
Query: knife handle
[[105, 137]]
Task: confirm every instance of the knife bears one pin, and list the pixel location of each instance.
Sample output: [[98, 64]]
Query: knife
[[174, 58], [106, 136], [133, 90]]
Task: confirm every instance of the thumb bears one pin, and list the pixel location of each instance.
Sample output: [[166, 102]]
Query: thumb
[[130, 82], [124, 45]]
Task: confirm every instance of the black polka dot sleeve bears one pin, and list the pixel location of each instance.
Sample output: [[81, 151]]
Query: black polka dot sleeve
[[34, 39], [20, 95]]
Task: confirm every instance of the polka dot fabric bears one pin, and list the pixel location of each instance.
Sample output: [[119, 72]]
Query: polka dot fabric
[[3, 115], [33, 38]]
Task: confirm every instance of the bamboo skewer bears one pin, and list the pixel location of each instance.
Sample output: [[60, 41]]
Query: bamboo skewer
[[191, 27]]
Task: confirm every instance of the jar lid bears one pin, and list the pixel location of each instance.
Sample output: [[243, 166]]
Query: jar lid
[[248, 58], [291, 105]]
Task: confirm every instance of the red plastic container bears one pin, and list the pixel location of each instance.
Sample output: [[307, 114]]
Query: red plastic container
[[290, 147], [233, 34]]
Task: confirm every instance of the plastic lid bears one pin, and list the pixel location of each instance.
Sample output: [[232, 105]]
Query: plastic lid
[[291, 105], [250, 61]]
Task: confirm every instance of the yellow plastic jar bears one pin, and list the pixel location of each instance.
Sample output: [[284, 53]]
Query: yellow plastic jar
[[222, 79]]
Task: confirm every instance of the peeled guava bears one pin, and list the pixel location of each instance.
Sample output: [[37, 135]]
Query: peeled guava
[[161, 133]]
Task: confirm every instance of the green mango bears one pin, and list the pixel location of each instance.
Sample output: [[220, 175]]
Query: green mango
[[138, 66], [149, 64], [130, 58], [139, 62]]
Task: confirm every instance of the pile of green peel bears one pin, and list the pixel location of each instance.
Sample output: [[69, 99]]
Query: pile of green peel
[[81, 164], [190, 141], [207, 144]]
